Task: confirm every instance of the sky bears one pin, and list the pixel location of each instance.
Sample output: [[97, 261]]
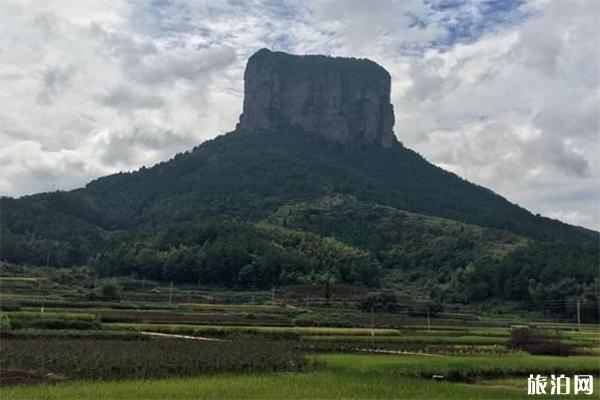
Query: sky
[[504, 93]]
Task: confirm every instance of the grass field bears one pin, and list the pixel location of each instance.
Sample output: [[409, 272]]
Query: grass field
[[268, 330], [338, 376], [267, 349]]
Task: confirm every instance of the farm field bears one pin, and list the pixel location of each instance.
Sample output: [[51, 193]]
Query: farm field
[[338, 376], [69, 341]]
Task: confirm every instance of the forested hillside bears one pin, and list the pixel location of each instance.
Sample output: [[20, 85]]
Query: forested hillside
[[262, 210]]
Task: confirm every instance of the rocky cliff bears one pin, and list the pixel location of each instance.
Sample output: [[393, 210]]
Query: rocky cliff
[[345, 100]]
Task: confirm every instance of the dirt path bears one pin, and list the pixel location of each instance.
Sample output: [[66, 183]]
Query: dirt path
[[409, 353], [173, 336]]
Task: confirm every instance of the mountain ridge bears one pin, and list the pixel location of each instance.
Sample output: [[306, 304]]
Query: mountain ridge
[[206, 177], [286, 205]]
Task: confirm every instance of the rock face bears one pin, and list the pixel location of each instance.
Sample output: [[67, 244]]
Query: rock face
[[345, 100]]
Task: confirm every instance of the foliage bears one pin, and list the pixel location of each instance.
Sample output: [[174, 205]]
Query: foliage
[[8, 305], [43, 334], [538, 341], [5, 324], [305, 209], [52, 315], [271, 331], [339, 376], [53, 323], [110, 290], [277, 169], [380, 301], [117, 359], [235, 255]]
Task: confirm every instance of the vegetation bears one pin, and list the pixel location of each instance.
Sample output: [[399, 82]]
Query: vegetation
[[235, 255], [537, 341], [215, 330], [268, 361], [117, 359], [26, 334], [307, 212], [338, 376]]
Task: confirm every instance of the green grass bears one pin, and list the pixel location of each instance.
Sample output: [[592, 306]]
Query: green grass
[[340, 376], [231, 307], [51, 315], [464, 367], [458, 340], [20, 279], [316, 385]]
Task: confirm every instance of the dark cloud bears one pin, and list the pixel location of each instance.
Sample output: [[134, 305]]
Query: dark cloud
[[126, 98], [54, 80]]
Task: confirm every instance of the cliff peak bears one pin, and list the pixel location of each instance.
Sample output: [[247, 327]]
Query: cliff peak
[[345, 100]]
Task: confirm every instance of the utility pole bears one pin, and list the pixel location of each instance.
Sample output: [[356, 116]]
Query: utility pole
[[372, 320], [428, 321], [579, 317], [273, 295], [171, 293]]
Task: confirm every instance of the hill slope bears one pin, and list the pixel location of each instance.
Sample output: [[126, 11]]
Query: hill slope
[[261, 210], [250, 176]]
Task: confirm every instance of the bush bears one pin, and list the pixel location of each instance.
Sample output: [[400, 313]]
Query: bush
[[5, 324], [52, 323], [385, 301], [538, 341], [10, 305], [110, 291], [52, 315]]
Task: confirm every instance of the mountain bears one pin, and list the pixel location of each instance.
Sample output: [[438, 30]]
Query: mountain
[[309, 186], [344, 100]]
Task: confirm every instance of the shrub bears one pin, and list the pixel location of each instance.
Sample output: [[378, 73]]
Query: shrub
[[5, 324], [538, 341], [52, 315], [110, 291], [10, 305], [380, 301], [53, 323]]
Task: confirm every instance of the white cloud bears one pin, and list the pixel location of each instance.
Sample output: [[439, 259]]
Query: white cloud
[[515, 110], [503, 93]]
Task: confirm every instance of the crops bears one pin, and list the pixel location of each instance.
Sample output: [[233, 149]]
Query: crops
[[157, 358], [52, 315], [285, 351], [53, 323], [456, 340], [216, 330], [466, 368], [212, 318], [25, 334], [337, 376]]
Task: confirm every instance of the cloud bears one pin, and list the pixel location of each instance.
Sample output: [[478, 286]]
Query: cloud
[[515, 108], [127, 98], [55, 80], [505, 93]]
